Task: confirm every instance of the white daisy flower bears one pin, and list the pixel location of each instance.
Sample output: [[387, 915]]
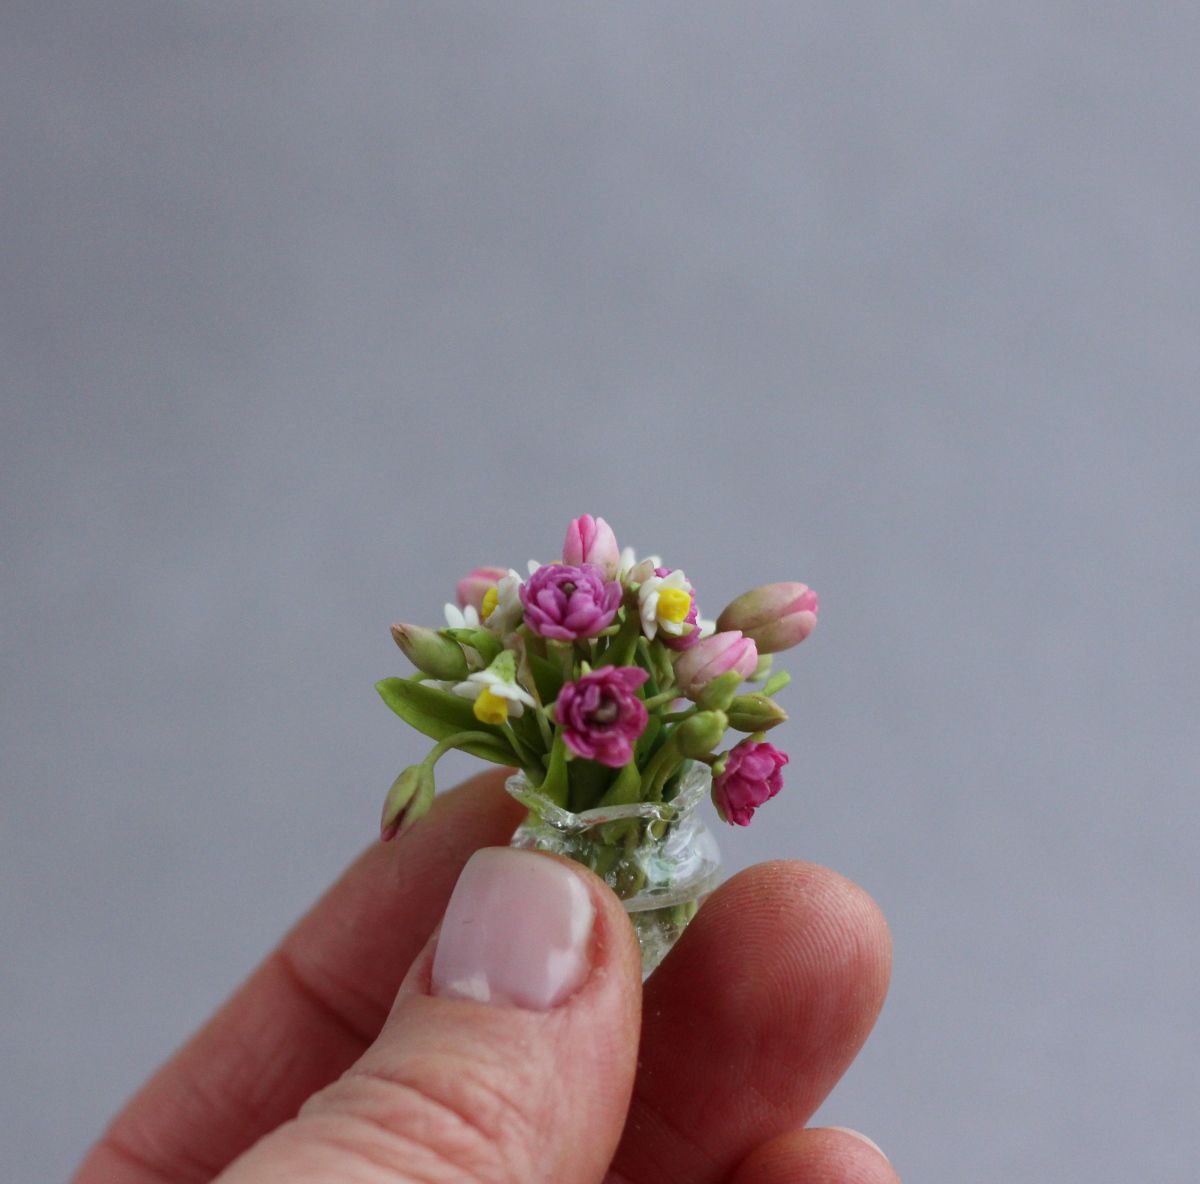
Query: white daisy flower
[[465, 618], [462, 618], [706, 626], [664, 603], [630, 571], [496, 692], [502, 608]]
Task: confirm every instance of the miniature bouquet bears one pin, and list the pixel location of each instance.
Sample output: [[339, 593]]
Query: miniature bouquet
[[596, 678]]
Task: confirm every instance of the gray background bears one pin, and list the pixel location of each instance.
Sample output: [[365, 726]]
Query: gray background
[[307, 308]]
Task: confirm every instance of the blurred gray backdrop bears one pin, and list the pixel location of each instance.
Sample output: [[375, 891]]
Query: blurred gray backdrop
[[308, 307]]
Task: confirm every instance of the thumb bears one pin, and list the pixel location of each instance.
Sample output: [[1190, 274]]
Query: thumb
[[509, 1054]]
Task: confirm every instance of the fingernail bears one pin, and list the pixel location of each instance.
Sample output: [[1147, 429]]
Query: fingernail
[[517, 931], [859, 1135]]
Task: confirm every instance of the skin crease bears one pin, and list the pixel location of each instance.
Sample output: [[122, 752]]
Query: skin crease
[[776, 1039]]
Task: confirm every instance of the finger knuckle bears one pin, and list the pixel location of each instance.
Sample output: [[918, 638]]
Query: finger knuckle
[[430, 1121]]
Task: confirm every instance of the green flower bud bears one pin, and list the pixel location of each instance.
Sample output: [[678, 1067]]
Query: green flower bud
[[699, 734], [755, 713], [407, 801], [718, 694], [430, 652]]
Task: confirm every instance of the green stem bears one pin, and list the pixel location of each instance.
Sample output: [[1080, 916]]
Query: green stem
[[665, 697], [673, 717], [531, 762], [566, 658], [458, 738], [661, 765], [664, 668], [623, 646], [526, 671], [652, 686], [535, 642]]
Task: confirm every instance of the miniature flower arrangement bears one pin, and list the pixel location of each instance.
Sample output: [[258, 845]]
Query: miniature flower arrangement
[[596, 677]]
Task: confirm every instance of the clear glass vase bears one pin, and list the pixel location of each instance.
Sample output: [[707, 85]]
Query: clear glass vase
[[660, 858]]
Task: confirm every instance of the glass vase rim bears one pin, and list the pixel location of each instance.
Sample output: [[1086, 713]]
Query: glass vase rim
[[694, 785]]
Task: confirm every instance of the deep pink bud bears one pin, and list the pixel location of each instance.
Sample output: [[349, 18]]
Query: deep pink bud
[[472, 588], [776, 616], [567, 602], [751, 776], [713, 656], [601, 716], [591, 540]]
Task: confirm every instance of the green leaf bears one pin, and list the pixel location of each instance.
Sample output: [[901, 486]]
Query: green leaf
[[440, 714], [625, 788], [589, 780], [556, 786], [527, 731], [645, 744], [776, 682], [548, 676], [484, 643]]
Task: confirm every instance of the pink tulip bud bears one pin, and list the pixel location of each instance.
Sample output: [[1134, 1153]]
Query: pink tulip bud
[[472, 588], [775, 616], [591, 540], [713, 656]]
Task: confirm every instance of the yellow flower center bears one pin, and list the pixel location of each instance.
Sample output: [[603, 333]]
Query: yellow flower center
[[491, 708], [490, 599], [673, 604]]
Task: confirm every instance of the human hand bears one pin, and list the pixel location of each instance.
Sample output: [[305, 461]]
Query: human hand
[[350, 1056]]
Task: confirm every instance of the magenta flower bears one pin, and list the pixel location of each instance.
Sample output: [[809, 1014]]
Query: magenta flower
[[713, 656], [591, 540], [682, 641], [751, 776], [600, 714], [473, 587], [568, 602]]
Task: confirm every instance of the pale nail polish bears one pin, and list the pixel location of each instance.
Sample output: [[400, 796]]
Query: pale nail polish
[[859, 1135], [517, 931]]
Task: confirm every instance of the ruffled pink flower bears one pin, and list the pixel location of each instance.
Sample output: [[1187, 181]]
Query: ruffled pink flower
[[751, 776], [601, 716], [682, 641], [472, 588], [567, 602], [591, 540], [714, 656]]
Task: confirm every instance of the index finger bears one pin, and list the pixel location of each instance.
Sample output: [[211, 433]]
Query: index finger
[[309, 1009]]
